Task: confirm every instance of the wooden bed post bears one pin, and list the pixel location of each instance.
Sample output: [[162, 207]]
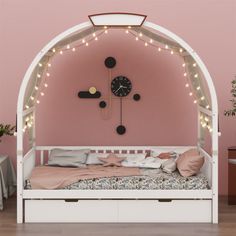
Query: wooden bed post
[[19, 167]]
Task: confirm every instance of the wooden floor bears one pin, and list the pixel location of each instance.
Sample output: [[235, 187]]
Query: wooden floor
[[226, 227]]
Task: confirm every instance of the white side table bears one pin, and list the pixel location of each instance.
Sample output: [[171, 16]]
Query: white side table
[[7, 179]]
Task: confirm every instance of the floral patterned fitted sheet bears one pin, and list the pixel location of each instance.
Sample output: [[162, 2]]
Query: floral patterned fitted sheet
[[149, 180]]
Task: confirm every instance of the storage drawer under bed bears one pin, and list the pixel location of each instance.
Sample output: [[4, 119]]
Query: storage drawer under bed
[[118, 211]]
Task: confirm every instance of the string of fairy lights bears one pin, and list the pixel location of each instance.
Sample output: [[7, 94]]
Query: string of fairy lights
[[42, 76]]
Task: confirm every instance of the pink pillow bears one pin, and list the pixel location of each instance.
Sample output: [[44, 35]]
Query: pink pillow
[[189, 163], [112, 160]]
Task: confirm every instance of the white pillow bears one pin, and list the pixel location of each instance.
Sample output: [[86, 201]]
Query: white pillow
[[133, 157], [93, 158]]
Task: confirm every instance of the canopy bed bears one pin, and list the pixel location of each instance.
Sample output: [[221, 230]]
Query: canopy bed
[[80, 202]]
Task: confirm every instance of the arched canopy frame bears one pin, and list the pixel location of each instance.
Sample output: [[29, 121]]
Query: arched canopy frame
[[148, 29]]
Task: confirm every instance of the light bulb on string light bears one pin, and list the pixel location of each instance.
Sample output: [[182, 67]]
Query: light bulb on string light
[[26, 106], [166, 46], [42, 93], [195, 101], [140, 34], [194, 64], [159, 49], [136, 38], [180, 50], [61, 52], [151, 41], [83, 40], [196, 75], [202, 98], [106, 31], [185, 74], [190, 94], [105, 27], [32, 98], [129, 27], [146, 44], [187, 85], [94, 35], [54, 50], [45, 85], [38, 75], [38, 101], [86, 44], [49, 64], [126, 31], [207, 106], [198, 88], [40, 64], [48, 74], [183, 65], [96, 38], [68, 46], [172, 52], [36, 87]]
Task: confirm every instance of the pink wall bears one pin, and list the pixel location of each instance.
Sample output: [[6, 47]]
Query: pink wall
[[208, 26]]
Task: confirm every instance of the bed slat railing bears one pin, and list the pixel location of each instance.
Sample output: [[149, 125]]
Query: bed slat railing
[[41, 157]]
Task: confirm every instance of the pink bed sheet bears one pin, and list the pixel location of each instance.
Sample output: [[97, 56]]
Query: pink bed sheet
[[48, 177]]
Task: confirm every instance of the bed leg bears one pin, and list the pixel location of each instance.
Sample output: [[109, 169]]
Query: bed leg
[[19, 189], [215, 209], [19, 209]]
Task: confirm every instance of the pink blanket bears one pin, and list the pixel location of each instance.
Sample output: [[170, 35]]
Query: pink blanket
[[48, 177]]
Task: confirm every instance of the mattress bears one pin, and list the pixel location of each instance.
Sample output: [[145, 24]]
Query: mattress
[[151, 179]]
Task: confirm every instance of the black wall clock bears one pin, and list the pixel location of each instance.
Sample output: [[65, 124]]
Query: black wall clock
[[121, 86]]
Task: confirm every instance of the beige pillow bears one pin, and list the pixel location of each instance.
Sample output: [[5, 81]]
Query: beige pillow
[[189, 163]]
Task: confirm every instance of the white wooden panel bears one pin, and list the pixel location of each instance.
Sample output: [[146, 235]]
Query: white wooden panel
[[116, 194], [28, 164], [62, 211], [117, 19], [173, 211], [207, 166]]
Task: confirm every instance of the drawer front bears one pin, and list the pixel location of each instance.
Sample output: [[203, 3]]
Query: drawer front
[[63, 211], [172, 211]]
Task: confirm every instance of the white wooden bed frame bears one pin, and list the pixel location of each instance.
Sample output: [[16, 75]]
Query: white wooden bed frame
[[116, 205]]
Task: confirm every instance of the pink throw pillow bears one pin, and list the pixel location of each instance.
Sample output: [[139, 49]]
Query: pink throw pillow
[[112, 160], [189, 163]]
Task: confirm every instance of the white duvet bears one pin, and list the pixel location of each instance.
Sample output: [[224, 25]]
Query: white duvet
[[149, 162]]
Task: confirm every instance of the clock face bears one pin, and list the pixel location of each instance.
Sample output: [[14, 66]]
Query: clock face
[[121, 86]]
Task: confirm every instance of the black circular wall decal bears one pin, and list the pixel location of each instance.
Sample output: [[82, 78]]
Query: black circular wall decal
[[136, 97], [120, 129], [102, 104], [110, 62]]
